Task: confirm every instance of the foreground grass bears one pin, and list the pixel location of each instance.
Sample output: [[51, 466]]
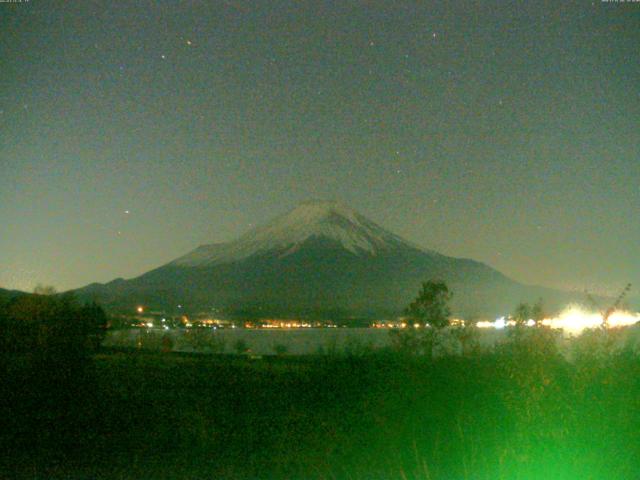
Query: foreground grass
[[500, 415]]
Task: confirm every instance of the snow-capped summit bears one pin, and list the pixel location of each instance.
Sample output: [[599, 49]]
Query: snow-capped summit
[[317, 219]]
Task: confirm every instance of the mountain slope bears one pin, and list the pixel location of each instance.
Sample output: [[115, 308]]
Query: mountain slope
[[322, 259]]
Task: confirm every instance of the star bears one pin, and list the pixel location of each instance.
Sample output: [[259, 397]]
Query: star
[[434, 35], [163, 56], [189, 42]]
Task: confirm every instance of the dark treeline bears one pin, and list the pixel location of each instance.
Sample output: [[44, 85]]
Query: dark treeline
[[52, 327]]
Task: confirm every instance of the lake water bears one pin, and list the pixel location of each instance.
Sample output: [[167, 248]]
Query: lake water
[[299, 341], [302, 341]]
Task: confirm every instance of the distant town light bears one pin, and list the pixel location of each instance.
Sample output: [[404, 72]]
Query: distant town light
[[485, 324], [140, 309]]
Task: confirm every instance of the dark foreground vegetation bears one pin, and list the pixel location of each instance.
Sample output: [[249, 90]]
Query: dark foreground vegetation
[[491, 416], [519, 411]]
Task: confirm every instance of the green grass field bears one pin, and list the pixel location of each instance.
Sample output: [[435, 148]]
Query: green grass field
[[498, 415]]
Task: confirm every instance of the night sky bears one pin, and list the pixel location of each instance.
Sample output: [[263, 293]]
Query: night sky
[[507, 132]]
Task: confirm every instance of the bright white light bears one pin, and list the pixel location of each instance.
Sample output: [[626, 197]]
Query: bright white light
[[621, 318], [574, 320], [150, 324], [484, 324]]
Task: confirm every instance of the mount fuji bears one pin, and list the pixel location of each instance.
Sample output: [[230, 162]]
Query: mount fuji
[[321, 260]]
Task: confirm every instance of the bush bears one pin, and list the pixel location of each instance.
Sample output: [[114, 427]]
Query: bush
[[241, 347], [280, 349], [433, 342], [410, 341]]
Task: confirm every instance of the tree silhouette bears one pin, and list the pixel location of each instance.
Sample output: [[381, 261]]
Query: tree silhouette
[[522, 314], [606, 313], [431, 306], [241, 346], [537, 312]]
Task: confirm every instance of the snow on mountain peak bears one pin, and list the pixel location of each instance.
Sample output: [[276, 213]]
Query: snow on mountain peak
[[313, 219]]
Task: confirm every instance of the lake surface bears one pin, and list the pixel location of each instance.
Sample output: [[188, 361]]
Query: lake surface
[[300, 341]]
